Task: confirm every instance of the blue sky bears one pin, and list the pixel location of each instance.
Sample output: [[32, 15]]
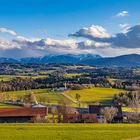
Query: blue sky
[[56, 19], [60, 17]]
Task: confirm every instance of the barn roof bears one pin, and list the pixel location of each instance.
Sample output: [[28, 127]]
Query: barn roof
[[22, 112]]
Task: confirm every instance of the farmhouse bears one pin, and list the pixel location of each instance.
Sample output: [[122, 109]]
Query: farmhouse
[[92, 116], [96, 109], [22, 115], [83, 118]]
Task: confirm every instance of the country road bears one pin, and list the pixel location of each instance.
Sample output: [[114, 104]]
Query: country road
[[68, 97]]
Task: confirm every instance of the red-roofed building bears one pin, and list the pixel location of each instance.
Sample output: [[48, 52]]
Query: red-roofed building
[[21, 115], [77, 118]]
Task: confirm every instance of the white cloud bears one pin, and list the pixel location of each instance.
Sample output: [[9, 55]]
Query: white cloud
[[57, 43], [124, 27], [90, 45], [22, 38], [25, 47], [96, 39], [128, 39], [122, 14], [93, 31], [5, 44], [5, 30], [46, 46]]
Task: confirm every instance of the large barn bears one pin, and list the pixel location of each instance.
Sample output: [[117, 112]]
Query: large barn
[[22, 115]]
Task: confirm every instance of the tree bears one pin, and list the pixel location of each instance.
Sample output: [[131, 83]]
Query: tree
[[29, 99], [63, 108], [77, 97], [135, 106], [33, 98], [122, 98], [53, 112], [109, 113]]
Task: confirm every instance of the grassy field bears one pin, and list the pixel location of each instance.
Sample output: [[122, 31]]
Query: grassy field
[[8, 106], [103, 95], [69, 132], [10, 77], [70, 75], [51, 97], [127, 109]]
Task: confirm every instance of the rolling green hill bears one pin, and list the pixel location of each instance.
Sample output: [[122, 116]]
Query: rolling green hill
[[42, 95], [102, 95], [88, 96]]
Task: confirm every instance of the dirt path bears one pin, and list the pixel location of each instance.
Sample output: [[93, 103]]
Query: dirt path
[[68, 97]]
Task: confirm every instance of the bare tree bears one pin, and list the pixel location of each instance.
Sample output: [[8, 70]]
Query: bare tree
[[29, 99], [109, 113], [33, 98], [135, 106], [63, 109], [53, 112]]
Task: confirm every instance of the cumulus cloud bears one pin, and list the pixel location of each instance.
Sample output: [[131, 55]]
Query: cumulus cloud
[[88, 44], [128, 39], [122, 14], [91, 32], [23, 47], [46, 43], [95, 39], [6, 44], [124, 27], [5, 30]]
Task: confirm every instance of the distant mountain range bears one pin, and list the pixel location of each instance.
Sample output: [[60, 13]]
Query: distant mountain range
[[88, 59], [131, 60], [66, 58]]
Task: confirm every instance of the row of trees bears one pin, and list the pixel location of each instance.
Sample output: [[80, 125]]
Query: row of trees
[[52, 81]]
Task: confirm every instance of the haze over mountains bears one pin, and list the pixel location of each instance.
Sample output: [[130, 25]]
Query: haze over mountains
[[87, 59]]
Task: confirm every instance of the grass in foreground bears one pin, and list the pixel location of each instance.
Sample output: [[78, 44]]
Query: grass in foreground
[[69, 131]]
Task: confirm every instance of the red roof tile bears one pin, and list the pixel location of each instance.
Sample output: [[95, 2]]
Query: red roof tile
[[14, 112]]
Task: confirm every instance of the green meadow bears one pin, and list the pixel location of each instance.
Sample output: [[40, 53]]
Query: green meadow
[[42, 95], [8, 106], [87, 96], [69, 131], [70, 75], [102, 95], [10, 77]]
